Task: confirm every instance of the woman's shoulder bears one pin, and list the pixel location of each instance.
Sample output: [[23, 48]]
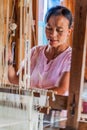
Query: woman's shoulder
[[66, 55], [68, 51], [38, 48]]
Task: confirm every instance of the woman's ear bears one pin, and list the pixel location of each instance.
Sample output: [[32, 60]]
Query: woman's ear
[[72, 26], [70, 30]]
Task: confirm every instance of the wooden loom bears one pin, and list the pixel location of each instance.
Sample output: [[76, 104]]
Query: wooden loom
[[18, 104], [76, 81]]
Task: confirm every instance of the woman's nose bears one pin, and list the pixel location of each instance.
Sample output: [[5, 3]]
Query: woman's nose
[[54, 33]]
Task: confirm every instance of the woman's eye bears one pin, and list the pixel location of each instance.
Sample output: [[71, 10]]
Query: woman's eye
[[59, 31], [48, 28]]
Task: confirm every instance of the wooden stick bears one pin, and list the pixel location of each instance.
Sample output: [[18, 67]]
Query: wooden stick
[[20, 57], [1, 39], [6, 42]]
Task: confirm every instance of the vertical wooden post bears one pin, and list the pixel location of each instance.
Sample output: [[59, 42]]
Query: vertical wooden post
[[1, 37], [77, 65], [35, 7]]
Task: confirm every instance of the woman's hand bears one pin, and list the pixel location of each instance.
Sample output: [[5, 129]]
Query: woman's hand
[[63, 85]]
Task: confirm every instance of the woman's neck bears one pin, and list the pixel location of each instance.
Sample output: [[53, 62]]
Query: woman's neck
[[53, 52]]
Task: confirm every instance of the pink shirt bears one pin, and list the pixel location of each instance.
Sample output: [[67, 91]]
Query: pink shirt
[[45, 75]]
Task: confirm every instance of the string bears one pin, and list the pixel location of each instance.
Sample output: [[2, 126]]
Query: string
[[27, 41], [20, 57], [1, 40], [43, 97]]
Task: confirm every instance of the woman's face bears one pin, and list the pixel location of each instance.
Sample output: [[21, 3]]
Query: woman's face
[[57, 30]]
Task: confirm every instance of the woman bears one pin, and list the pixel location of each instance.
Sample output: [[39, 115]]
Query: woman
[[50, 64]]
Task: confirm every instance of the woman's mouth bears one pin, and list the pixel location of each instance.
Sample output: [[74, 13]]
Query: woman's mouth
[[53, 41]]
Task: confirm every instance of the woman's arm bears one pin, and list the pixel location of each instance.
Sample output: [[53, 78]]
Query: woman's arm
[[63, 85], [12, 76]]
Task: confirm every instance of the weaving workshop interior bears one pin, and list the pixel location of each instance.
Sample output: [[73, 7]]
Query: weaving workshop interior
[[43, 66]]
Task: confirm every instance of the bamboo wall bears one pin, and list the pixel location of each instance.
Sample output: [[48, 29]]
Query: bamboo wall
[[71, 5]]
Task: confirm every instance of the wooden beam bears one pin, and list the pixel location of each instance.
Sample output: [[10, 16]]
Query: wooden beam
[[60, 102], [82, 126], [35, 8], [77, 65]]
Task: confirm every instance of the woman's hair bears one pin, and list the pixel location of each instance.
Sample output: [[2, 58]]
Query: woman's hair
[[59, 10]]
